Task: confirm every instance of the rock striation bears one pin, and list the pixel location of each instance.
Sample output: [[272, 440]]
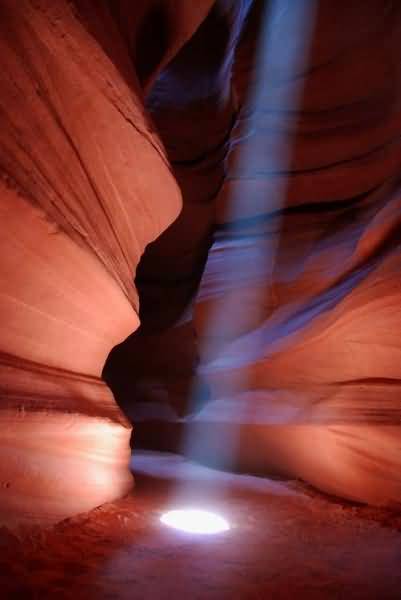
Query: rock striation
[[241, 161]]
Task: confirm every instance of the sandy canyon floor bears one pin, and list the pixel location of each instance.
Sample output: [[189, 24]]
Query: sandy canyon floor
[[285, 541]]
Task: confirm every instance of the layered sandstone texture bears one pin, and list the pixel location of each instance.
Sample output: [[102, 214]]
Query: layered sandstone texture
[[85, 185], [254, 149], [287, 356]]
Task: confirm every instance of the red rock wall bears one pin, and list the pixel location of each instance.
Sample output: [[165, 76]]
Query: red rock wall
[[297, 318], [311, 360], [270, 305], [82, 170]]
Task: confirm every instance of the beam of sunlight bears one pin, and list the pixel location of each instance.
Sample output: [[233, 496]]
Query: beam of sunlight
[[193, 520], [241, 261]]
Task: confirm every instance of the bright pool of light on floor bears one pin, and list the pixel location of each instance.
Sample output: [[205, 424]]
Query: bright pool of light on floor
[[195, 521]]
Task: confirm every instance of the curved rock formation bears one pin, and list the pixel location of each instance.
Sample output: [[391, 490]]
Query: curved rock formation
[[82, 170], [305, 347], [297, 318], [270, 305]]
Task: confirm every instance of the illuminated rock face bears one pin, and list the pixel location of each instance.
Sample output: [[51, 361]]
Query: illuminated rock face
[[273, 297], [294, 340], [82, 173], [304, 354]]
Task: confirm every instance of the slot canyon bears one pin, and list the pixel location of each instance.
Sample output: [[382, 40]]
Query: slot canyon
[[200, 298]]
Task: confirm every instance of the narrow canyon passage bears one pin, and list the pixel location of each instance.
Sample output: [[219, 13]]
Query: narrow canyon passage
[[200, 298]]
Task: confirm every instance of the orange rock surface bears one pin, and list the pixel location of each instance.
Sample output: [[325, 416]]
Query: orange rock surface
[[256, 155]]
